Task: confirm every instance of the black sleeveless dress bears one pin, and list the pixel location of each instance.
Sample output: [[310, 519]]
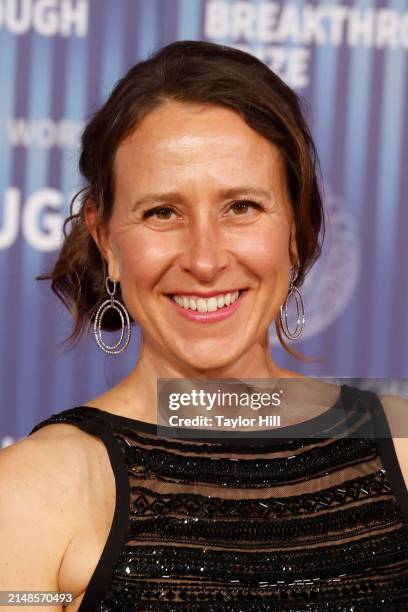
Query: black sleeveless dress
[[252, 524]]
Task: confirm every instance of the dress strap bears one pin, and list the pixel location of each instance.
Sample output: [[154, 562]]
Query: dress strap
[[365, 417], [74, 416], [357, 405], [97, 426], [389, 457]]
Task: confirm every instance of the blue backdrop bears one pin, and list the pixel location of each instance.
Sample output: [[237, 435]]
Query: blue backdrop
[[347, 60]]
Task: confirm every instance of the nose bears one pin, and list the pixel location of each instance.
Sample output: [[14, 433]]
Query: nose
[[204, 252]]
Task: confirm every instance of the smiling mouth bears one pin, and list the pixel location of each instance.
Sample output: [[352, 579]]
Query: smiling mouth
[[208, 309], [199, 297]]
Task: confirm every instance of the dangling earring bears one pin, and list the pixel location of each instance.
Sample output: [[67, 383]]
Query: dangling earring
[[300, 325], [120, 308]]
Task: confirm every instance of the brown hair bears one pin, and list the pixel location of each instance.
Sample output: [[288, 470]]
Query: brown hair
[[190, 72]]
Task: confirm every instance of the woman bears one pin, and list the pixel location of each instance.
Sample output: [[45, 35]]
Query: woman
[[200, 218]]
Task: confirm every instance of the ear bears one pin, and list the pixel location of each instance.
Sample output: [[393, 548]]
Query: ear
[[100, 233], [293, 252]]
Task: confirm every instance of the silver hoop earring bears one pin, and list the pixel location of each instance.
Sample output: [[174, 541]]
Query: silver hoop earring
[[300, 308], [123, 313]]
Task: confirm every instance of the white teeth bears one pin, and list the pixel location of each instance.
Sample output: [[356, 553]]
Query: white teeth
[[201, 305], [206, 305]]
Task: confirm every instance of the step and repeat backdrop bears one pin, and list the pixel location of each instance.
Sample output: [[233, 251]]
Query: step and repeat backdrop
[[59, 60]]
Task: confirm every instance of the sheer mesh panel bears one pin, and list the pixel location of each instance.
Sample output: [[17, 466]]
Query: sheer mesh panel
[[305, 524]]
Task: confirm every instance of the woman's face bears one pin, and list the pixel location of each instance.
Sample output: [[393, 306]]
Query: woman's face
[[201, 206]]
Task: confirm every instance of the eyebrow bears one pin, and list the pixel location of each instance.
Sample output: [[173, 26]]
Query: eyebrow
[[176, 196]]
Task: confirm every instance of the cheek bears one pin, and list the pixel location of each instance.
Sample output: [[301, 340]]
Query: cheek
[[266, 250], [142, 258]]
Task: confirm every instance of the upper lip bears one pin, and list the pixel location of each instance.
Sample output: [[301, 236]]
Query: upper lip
[[207, 294]]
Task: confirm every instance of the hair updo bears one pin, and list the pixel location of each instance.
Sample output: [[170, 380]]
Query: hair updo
[[190, 72]]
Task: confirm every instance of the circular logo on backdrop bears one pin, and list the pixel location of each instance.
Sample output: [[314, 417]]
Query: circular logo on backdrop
[[330, 283]]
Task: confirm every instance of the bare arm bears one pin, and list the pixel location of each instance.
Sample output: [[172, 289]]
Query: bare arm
[[37, 513]]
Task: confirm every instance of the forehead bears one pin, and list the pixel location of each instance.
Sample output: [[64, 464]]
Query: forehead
[[177, 140]]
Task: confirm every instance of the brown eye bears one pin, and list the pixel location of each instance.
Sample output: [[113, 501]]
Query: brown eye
[[242, 206], [162, 212]]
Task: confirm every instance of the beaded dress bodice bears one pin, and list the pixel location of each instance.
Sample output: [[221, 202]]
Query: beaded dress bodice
[[251, 525]]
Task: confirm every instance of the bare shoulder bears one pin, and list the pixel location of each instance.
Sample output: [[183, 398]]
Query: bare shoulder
[[81, 457], [71, 438], [51, 455], [42, 477], [396, 412]]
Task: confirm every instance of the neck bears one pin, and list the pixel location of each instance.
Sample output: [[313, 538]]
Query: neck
[[140, 386]]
